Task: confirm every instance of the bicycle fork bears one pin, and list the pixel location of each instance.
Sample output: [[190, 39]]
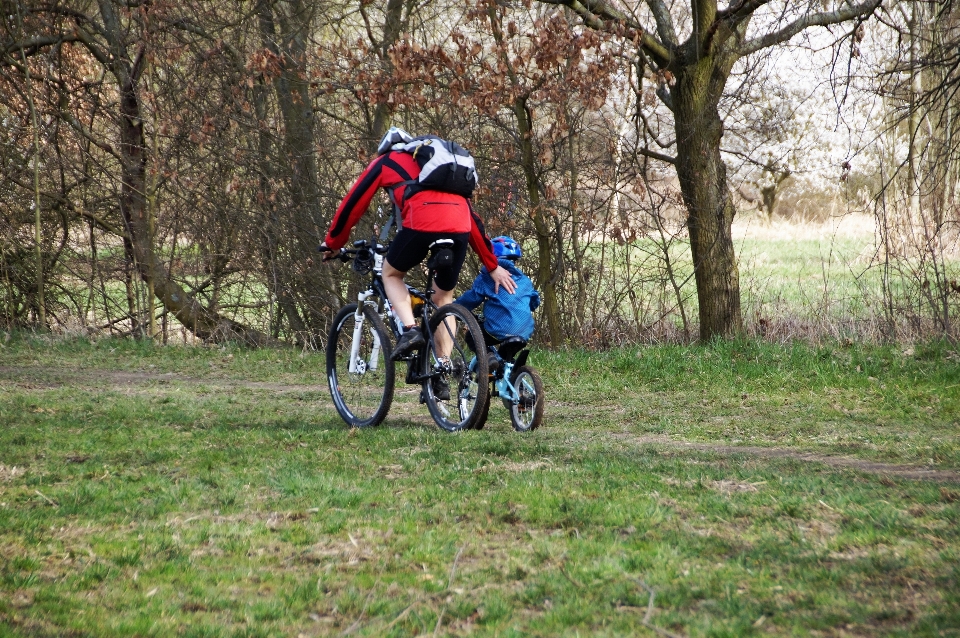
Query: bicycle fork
[[358, 366], [505, 388]]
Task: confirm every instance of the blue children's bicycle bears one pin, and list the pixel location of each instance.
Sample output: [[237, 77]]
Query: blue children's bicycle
[[517, 384]]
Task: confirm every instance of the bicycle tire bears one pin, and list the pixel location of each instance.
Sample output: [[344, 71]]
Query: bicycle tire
[[527, 415], [363, 398], [469, 389], [484, 412]]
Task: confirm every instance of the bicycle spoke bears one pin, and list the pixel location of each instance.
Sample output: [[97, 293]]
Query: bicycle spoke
[[453, 328], [359, 370]]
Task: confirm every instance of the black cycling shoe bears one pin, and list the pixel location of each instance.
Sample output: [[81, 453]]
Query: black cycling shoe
[[441, 389], [407, 343]]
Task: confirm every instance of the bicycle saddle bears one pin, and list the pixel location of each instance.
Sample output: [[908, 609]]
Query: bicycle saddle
[[510, 346], [441, 254]]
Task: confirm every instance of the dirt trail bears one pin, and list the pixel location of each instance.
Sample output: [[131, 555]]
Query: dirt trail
[[36, 376], [45, 377], [873, 467]]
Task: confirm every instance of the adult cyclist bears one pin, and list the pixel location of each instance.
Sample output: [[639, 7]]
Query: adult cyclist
[[426, 217]]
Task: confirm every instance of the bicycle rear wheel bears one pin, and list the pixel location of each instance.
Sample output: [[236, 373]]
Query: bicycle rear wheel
[[362, 396], [468, 388], [484, 413], [528, 413]]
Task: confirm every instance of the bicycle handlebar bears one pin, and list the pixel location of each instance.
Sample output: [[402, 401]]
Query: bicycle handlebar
[[359, 246]]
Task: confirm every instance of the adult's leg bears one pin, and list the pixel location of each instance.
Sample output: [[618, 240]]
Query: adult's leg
[[444, 284], [399, 297], [444, 343], [398, 294]]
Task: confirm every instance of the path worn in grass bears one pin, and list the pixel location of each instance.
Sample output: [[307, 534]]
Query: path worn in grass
[[120, 379]]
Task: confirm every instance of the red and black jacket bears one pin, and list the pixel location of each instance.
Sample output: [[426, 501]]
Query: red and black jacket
[[427, 211]]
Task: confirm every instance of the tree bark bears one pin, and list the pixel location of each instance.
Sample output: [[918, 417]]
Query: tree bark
[[544, 275], [703, 183]]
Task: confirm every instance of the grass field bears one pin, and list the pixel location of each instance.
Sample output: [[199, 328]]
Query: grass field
[[728, 490], [801, 270]]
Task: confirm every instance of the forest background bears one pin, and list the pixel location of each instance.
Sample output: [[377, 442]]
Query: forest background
[[169, 168]]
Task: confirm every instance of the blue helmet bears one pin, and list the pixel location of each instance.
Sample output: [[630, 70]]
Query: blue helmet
[[506, 248]]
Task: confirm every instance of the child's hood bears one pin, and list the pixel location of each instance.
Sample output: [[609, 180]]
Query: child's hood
[[509, 266]]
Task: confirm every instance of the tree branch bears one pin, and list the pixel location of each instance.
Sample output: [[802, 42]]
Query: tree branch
[[737, 11], [377, 44], [93, 47], [137, 67], [183, 24], [665, 96], [90, 137], [657, 156], [594, 12], [665, 28], [650, 131], [33, 45], [64, 202], [809, 20]]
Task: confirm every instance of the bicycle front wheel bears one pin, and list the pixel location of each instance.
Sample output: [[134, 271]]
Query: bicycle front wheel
[[527, 414], [359, 370], [458, 391]]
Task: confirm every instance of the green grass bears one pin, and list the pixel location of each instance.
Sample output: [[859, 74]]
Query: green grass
[[829, 282], [799, 273], [214, 492]]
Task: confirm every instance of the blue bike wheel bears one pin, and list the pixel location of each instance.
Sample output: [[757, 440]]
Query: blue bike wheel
[[527, 414]]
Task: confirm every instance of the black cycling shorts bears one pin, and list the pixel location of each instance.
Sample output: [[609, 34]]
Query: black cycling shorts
[[410, 247]]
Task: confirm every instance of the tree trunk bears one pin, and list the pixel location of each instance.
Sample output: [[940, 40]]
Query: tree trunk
[[133, 204], [544, 275], [296, 105], [580, 303], [703, 183], [133, 208], [915, 150], [38, 236], [383, 112], [272, 224]]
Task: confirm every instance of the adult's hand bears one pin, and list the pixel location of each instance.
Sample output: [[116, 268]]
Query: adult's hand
[[501, 277], [326, 252]]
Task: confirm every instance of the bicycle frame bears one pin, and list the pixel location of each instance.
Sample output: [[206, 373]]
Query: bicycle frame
[[356, 350], [502, 384], [371, 296]]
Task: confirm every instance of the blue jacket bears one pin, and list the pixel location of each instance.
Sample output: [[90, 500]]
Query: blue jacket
[[504, 315]]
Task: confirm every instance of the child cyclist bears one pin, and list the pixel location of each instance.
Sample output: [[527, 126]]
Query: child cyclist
[[504, 315]]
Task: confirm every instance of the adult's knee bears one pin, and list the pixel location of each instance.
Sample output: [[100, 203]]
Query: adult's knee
[[392, 273]]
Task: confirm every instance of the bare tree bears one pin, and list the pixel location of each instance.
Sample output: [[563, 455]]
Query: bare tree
[[690, 49], [118, 38], [918, 213]]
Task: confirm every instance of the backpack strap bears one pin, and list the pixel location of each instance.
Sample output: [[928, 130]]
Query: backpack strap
[[397, 216], [394, 219], [407, 181]]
